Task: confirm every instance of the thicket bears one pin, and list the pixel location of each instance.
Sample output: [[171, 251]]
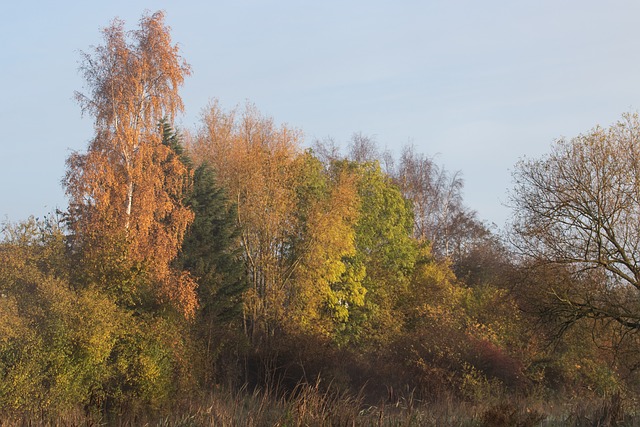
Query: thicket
[[231, 277]]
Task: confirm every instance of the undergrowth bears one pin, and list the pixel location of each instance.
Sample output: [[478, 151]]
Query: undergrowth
[[314, 405]]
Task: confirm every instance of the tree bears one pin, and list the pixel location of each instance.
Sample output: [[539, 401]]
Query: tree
[[437, 200], [385, 252], [297, 219], [212, 254], [125, 209], [577, 210], [172, 138], [54, 341], [326, 287], [362, 148], [256, 163], [326, 150]]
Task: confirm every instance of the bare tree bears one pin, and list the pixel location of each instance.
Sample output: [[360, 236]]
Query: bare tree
[[437, 198], [578, 209], [362, 148], [326, 150]]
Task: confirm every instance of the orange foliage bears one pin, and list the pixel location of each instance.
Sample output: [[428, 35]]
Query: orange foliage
[[126, 191], [255, 161]]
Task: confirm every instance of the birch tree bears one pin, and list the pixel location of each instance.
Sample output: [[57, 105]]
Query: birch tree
[[125, 192]]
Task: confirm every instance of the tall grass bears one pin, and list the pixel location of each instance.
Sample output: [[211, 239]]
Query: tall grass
[[314, 405]]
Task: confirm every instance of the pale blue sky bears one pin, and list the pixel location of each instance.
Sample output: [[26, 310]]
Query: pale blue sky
[[479, 84]]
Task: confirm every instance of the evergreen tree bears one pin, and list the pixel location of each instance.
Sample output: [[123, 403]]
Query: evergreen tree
[[211, 251], [173, 139]]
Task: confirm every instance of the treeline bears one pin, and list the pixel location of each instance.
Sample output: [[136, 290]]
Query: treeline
[[232, 257]]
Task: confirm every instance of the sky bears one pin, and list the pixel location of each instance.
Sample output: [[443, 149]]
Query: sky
[[475, 85]]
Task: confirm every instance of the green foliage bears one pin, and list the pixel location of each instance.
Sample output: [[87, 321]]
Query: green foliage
[[211, 251], [172, 139], [385, 253], [363, 302], [327, 285], [62, 347], [55, 341], [314, 287], [148, 363]]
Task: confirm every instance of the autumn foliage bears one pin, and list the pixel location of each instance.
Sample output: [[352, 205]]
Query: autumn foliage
[[235, 260], [126, 191]]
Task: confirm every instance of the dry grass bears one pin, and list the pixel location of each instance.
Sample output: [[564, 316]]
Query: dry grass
[[312, 405]]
